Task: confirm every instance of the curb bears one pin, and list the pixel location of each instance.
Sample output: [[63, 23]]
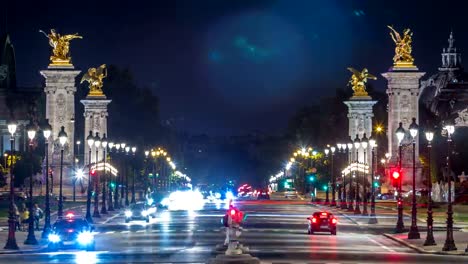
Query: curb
[[20, 251], [420, 249]]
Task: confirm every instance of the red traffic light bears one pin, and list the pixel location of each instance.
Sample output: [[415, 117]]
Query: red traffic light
[[396, 175], [93, 172]]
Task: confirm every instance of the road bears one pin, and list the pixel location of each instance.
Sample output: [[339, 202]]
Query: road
[[275, 231]]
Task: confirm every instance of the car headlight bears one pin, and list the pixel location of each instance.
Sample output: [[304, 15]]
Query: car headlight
[[54, 238], [85, 238], [152, 210], [144, 213], [128, 213]]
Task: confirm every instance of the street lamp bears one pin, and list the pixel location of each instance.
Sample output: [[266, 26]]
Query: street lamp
[[350, 160], [357, 144], [343, 194], [97, 144], [111, 186], [449, 242], [430, 235], [414, 232], [62, 139], [31, 239], [364, 144], [90, 141], [372, 219], [400, 134], [11, 241], [104, 181], [47, 131], [127, 202], [133, 178], [327, 201], [333, 203]]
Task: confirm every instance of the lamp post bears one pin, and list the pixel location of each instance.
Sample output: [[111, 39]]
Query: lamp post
[[97, 144], [327, 201], [117, 182], [430, 235], [400, 134], [90, 141], [449, 243], [350, 160], [78, 144], [31, 239], [133, 178], [373, 218], [343, 193], [127, 202], [122, 182], [11, 241], [357, 144], [62, 139], [414, 232], [110, 187], [47, 131], [104, 181], [333, 203], [364, 144]]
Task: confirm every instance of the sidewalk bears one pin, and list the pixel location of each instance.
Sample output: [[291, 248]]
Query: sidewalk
[[460, 238]]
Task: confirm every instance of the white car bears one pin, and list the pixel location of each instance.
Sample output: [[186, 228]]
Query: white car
[[290, 193]]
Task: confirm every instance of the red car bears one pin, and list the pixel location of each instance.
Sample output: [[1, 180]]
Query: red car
[[322, 222]]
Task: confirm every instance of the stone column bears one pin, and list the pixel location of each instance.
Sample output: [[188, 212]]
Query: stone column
[[60, 111], [403, 95], [360, 115], [95, 120]]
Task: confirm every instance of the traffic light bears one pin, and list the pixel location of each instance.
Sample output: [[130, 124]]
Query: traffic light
[[311, 178], [396, 178], [112, 184], [93, 172], [396, 175], [376, 184], [325, 187]]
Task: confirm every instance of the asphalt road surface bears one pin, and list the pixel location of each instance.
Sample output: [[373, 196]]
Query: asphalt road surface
[[275, 232]]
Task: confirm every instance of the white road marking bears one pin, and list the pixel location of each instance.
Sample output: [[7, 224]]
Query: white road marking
[[110, 232], [380, 244]]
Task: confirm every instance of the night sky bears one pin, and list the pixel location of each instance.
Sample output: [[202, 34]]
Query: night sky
[[232, 67]]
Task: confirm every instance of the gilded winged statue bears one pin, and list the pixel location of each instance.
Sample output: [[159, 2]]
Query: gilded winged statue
[[94, 77], [358, 81], [60, 46], [403, 47]]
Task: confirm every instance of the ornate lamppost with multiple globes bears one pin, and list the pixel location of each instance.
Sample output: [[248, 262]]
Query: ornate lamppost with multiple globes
[[343, 204], [47, 131], [430, 235], [31, 239], [373, 218], [11, 241], [97, 144], [357, 145], [333, 202], [414, 232], [327, 201], [110, 186], [104, 178], [449, 244], [350, 160], [133, 178], [127, 201], [62, 139], [364, 145], [90, 141], [400, 134]]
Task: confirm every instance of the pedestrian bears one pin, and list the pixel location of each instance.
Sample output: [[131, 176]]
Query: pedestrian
[[24, 218], [38, 214], [17, 217]]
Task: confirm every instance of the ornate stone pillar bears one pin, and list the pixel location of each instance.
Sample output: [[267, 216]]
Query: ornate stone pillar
[[403, 96], [360, 115], [95, 114], [60, 111]]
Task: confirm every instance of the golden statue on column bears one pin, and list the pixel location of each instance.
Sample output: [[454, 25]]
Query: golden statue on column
[[60, 47], [358, 81], [95, 76], [403, 48]]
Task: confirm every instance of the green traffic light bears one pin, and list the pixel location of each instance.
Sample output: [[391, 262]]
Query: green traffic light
[[311, 178], [376, 184], [325, 187]]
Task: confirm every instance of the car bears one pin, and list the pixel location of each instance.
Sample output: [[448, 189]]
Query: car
[[322, 222], [386, 196], [263, 195], [137, 211], [290, 193], [71, 232]]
